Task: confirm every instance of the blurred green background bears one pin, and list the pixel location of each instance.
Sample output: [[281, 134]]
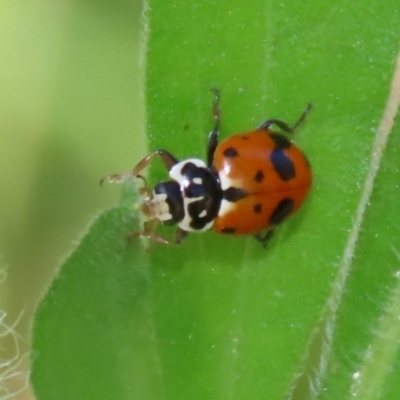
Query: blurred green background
[[71, 111]]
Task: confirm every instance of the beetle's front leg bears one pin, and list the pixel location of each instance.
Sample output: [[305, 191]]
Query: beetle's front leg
[[166, 157], [149, 232]]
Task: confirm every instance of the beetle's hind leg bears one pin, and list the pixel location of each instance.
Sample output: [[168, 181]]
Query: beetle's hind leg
[[214, 134], [283, 125], [264, 238]]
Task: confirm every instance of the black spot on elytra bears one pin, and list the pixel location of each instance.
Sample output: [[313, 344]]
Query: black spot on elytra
[[257, 208], [244, 137], [281, 142], [283, 165], [259, 176], [228, 230], [230, 152], [233, 194], [282, 210]]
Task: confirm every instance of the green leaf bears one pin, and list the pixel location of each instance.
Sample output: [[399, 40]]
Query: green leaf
[[365, 351], [219, 317]]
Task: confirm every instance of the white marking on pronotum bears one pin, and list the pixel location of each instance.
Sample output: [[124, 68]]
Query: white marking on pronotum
[[176, 174], [227, 182], [203, 214], [176, 171], [225, 207], [315, 374], [187, 220]]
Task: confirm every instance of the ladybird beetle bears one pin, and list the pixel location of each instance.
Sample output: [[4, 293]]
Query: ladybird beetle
[[250, 183]]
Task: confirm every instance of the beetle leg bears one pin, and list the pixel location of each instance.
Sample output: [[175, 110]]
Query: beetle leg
[[166, 157], [115, 178], [148, 232], [283, 125], [214, 134], [145, 190], [265, 238], [180, 235]]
